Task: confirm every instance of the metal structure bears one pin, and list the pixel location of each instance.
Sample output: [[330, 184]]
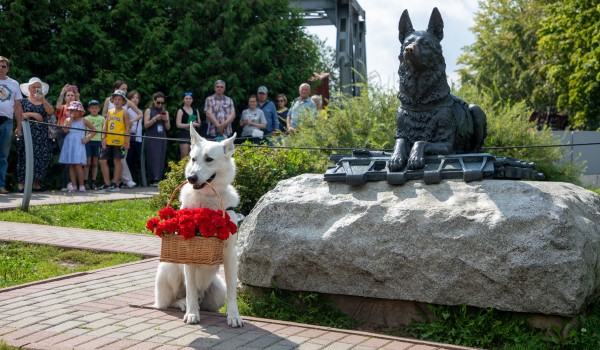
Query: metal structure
[[363, 166], [350, 21]]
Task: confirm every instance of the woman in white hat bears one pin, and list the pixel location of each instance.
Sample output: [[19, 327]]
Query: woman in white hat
[[35, 108]]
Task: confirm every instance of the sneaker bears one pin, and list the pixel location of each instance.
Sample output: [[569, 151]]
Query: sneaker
[[81, 188], [131, 184], [154, 184], [103, 187], [113, 187], [87, 184], [93, 185], [70, 187], [4, 190]]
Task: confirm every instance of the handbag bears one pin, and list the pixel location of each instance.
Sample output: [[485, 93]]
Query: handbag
[[53, 130]]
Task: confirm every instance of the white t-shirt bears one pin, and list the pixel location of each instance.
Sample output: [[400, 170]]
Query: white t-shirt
[[135, 127], [9, 94]]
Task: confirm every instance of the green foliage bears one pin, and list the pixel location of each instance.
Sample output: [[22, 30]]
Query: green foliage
[[508, 125], [569, 47], [169, 45], [587, 334], [302, 307], [366, 121], [123, 216], [544, 53], [259, 169], [482, 328], [21, 263], [4, 346]]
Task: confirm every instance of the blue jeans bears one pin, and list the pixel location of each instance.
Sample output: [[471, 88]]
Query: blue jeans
[[5, 140]]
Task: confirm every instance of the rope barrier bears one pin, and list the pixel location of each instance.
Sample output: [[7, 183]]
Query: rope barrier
[[312, 148]]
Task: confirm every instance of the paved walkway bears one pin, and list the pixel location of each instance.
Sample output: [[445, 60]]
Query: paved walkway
[[111, 308]]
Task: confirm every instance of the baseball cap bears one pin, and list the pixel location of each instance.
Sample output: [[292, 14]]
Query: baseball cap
[[120, 93], [263, 89], [93, 102]]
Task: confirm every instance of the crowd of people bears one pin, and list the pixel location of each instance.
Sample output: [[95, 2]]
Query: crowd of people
[[110, 133]]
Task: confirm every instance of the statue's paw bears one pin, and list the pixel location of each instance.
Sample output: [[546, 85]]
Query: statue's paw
[[191, 317], [415, 163], [396, 163]]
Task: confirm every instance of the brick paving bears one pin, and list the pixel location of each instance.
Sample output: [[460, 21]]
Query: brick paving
[[111, 308]]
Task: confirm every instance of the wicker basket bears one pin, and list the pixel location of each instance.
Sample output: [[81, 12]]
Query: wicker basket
[[197, 250]]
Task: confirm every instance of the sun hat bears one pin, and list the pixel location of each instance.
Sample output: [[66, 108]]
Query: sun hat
[[25, 86], [75, 106], [263, 89], [93, 102], [120, 93]]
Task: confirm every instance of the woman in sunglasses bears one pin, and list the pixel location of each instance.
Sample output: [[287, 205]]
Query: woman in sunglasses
[[282, 112], [156, 121], [186, 115]]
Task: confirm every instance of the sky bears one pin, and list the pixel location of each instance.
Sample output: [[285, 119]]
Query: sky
[[382, 43]]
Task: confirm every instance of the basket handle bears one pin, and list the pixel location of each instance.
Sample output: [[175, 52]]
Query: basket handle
[[206, 183]]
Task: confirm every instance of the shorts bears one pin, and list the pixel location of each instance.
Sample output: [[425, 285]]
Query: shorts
[[112, 152], [92, 149]]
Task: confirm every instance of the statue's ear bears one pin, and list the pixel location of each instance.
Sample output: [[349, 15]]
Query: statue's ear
[[436, 24], [405, 27]]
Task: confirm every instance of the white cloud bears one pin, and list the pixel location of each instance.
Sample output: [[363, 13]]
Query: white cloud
[[382, 18]]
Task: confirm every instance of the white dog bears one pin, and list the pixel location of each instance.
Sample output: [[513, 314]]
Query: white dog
[[203, 288]]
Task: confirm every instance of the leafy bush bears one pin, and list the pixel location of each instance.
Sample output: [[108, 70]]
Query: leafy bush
[[259, 169], [508, 125], [365, 121], [302, 307], [483, 328]]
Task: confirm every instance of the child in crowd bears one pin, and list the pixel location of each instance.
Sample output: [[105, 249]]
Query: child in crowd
[[92, 148], [116, 142], [73, 150]]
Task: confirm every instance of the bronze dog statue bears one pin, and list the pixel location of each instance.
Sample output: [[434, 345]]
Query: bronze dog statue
[[430, 120]]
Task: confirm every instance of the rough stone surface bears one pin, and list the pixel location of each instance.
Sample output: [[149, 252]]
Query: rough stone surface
[[512, 245]]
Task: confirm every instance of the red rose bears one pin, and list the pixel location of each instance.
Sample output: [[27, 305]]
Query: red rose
[[169, 226], [187, 230], [167, 213], [151, 225]]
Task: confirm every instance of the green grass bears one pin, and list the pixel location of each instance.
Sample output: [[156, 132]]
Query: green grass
[[301, 307], [22, 263], [123, 216], [4, 346]]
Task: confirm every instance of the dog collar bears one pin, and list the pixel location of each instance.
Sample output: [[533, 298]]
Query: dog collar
[[447, 102]]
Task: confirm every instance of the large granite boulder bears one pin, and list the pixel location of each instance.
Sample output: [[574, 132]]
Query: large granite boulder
[[512, 245]]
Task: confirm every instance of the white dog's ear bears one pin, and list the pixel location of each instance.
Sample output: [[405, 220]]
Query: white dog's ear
[[228, 145], [195, 137]]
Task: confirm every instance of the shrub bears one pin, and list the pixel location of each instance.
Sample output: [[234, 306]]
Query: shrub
[[508, 125], [259, 169], [482, 328]]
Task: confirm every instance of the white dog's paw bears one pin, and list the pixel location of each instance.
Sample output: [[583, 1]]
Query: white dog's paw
[[235, 320], [191, 317]]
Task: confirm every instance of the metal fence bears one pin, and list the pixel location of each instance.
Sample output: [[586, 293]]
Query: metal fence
[[587, 152]]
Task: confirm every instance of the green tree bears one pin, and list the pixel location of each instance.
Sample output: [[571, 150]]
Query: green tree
[[569, 47], [503, 57], [545, 53], [169, 45]]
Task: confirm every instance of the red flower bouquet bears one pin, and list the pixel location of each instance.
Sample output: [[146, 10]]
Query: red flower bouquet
[[188, 223]]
